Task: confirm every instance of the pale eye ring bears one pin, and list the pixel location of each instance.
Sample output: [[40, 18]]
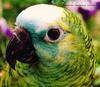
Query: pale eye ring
[[54, 34]]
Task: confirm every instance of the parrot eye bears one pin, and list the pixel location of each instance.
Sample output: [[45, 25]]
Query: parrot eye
[[54, 34]]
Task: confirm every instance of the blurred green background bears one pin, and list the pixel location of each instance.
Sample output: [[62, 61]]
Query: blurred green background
[[9, 9]]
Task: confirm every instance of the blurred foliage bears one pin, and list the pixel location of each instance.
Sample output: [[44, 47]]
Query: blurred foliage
[[13, 7], [94, 29]]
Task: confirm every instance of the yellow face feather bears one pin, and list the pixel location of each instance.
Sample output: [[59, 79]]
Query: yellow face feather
[[68, 42], [65, 44]]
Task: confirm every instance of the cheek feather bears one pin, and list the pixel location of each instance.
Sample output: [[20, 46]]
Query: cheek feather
[[60, 58], [68, 44]]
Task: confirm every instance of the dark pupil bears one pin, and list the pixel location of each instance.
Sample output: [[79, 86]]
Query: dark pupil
[[53, 34]]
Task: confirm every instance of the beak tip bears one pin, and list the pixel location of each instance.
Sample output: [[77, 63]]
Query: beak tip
[[11, 63], [12, 66]]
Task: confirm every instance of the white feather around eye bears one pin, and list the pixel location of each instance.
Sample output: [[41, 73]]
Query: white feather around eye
[[54, 34]]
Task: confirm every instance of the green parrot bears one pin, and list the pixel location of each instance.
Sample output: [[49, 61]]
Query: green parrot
[[50, 48]]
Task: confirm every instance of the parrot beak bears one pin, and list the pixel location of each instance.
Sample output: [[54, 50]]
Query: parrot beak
[[20, 48]]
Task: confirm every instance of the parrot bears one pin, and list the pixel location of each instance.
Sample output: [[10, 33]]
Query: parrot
[[50, 47]]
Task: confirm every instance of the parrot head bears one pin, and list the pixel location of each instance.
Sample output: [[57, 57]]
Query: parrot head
[[43, 34]]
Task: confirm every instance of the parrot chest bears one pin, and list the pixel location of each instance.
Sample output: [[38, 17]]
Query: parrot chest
[[63, 76]]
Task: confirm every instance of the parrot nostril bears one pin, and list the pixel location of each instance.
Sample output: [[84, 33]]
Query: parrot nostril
[[21, 35]]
